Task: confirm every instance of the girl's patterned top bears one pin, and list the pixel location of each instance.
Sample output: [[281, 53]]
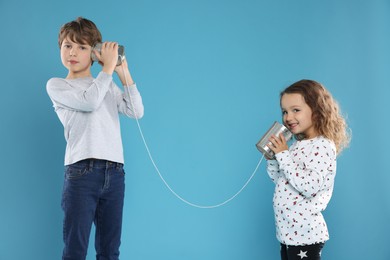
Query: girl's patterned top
[[304, 178]]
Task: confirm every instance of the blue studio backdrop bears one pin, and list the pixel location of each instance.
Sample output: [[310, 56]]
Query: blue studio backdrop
[[210, 73]]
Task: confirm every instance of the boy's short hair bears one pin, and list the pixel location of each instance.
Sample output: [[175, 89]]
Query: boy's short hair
[[81, 30]]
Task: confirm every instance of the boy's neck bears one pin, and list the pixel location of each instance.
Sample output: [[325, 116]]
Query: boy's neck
[[78, 75]]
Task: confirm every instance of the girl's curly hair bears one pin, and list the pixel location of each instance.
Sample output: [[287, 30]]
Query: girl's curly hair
[[326, 115]]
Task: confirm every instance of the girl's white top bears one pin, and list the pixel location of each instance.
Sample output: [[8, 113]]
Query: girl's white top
[[304, 179], [89, 108]]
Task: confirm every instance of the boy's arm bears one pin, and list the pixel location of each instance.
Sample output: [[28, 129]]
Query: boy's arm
[[124, 74], [69, 96], [130, 101], [65, 95]]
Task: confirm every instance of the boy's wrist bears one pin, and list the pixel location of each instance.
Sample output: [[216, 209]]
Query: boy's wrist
[[124, 76], [127, 81], [108, 71]]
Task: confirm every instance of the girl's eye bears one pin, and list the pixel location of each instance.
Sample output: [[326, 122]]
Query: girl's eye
[[284, 112], [296, 110]]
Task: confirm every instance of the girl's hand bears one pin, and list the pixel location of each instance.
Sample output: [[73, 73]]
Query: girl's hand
[[278, 144], [267, 158]]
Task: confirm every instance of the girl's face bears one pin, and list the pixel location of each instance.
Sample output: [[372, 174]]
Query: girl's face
[[76, 58], [297, 115]]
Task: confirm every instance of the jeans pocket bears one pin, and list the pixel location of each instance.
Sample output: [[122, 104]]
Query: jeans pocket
[[73, 172]]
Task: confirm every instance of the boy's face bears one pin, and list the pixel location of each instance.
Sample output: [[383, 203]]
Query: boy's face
[[76, 58]]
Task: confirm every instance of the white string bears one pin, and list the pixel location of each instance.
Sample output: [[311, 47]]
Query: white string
[[162, 178]]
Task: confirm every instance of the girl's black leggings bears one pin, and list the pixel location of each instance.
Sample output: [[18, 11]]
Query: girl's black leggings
[[309, 252]]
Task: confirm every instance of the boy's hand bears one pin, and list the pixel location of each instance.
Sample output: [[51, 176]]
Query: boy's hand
[[108, 56], [278, 144]]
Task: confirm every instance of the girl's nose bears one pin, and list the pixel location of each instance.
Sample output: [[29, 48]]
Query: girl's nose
[[287, 117]]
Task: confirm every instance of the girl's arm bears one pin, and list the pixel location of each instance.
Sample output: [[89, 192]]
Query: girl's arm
[[273, 170], [311, 166]]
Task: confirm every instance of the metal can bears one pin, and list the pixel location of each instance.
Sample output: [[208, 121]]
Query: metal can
[[121, 53], [276, 129]]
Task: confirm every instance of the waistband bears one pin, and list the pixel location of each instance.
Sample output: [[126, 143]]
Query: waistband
[[97, 163]]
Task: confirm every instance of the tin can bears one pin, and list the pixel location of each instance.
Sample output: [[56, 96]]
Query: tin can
[[121, 53], [276, 129]]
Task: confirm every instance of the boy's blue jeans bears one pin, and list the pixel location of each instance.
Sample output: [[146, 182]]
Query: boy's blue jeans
[[93, 193]]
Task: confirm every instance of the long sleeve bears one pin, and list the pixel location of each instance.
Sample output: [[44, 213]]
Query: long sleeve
[[72, 95], [307, 173], [273, 170], [89, 110], [127, 99], [304, 180]]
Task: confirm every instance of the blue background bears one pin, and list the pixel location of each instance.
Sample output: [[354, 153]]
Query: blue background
[[210, 72]]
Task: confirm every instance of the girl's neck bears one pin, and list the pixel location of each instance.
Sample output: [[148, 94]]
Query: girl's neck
[[310, 134], [310, 137]]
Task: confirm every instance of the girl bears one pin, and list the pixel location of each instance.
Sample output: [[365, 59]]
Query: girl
[[304, 173]]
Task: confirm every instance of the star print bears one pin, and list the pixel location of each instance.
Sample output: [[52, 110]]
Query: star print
[[302, 254]]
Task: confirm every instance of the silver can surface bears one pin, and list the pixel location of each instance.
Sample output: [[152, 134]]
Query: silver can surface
[[276, 129], [121, 53]]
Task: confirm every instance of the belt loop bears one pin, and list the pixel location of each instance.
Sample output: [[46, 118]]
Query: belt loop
[[90, 164], [119, 166]]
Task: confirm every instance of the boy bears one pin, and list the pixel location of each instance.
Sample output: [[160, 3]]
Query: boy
[[89, 110]]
